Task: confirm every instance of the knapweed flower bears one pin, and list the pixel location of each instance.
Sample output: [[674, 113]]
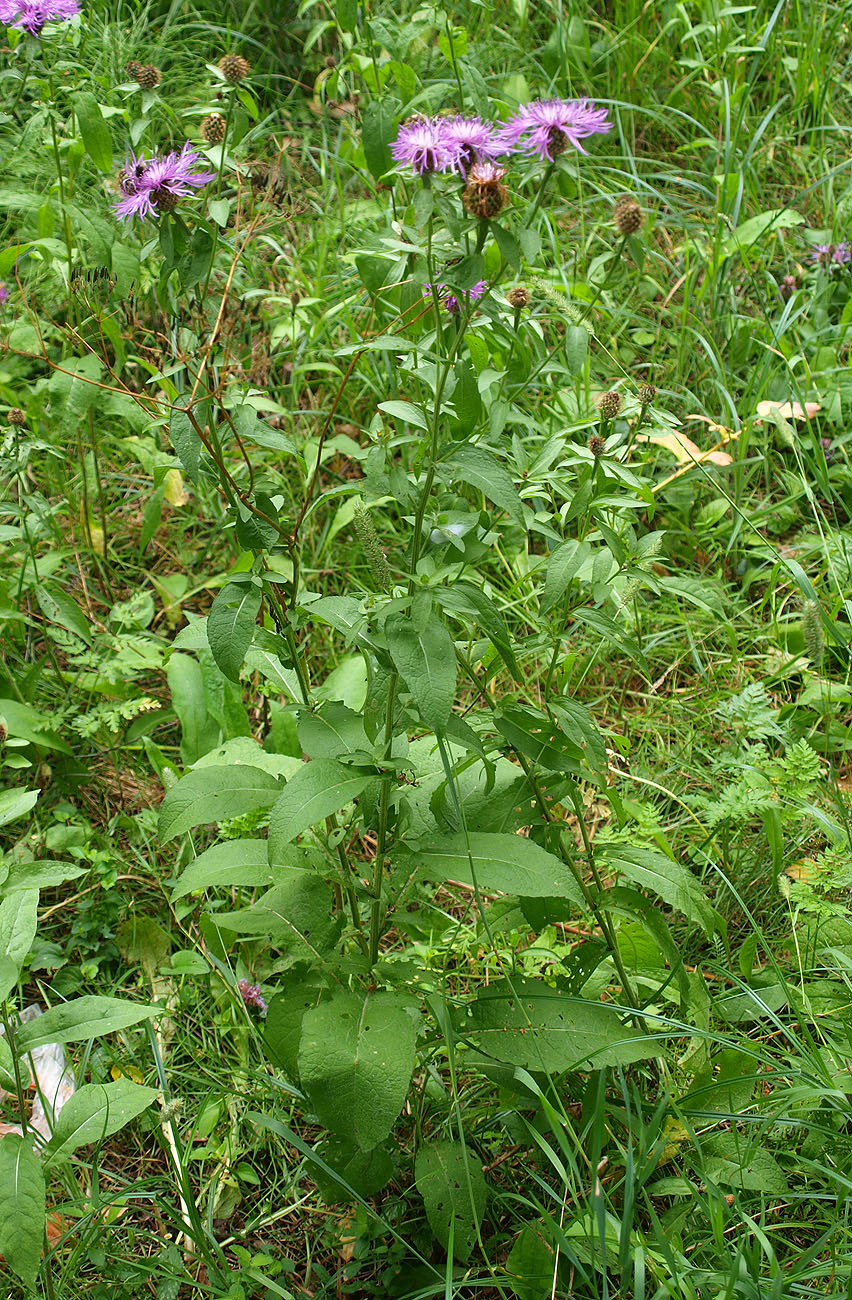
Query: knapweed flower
[[788, 286], [4, 292], [831, 255], [422, 145], [484, 194], [451, 302], [470, 139], [151, 186], [548, 126], [251, 996], [31, 15]]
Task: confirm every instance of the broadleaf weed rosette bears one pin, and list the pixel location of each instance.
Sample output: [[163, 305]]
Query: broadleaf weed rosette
[[152, 186]]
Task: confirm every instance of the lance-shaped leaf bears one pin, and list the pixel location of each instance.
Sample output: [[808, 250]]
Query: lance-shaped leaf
[[83, 1018], [425, 658], [511, 864], [313, 793], [95, 1112], [449, 1178], [230, 625], [212, 794], [22, 1212]]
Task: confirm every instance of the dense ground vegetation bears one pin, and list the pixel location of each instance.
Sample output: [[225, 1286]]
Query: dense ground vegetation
[[426, 662]]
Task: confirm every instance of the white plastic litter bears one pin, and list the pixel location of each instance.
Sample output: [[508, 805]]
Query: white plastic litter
[[53, 1080]]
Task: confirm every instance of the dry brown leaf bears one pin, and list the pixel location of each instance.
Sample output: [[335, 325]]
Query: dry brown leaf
[[787, 410]]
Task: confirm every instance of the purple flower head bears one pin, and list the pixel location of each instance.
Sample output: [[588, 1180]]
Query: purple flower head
[[422, 145], [831, 255], [451, 302], [471, 140], [31, 15], [548, 126], [4, 292], [250, 994], [152, 186]]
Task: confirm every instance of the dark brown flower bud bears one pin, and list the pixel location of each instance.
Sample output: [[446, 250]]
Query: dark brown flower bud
[[484, 196], [213, 128], [295, 298], [16, 416], [164, 200], [596, 445], [133, 69], [149, 77], [609, 404], [519, 297], [628, 216], [234, 68], [788, 286], [646, 394], [330, 61]]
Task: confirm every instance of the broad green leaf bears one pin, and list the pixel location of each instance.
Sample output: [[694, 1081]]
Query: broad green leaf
[[539, 737], [511, 864], [297, 913], [407, 412], [186, 442], [94, 130], [213, 794], [425, 658], [227, 865], [282, 1029], [465, 273], [563, 566], [199, 731], [544, 1029], [15, 804], [22, 1207], [94, 1112], [733, 1161], [58, 607], [42, 874], [18, 924], [448, 1175], [669, 880], [481, 469], [316, 791], [576, 344], [356, 1056], [230, 625], [463, 599], [765, 223], [79, 1020], [331, 731], [577, 722], [364, 1172], [531, 1263], [378, 127], [31, 724]]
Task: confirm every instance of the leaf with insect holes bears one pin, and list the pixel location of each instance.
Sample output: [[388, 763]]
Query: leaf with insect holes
[[22, 1207], [356, 1056], [448, 1175]]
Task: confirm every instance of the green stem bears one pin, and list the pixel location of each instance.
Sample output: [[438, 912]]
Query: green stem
[[381, 844]]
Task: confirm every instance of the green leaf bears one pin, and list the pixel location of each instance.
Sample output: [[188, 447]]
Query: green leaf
[[539, 737], [425, 658], [297, 913], [356, 1056], [58, 607], [331, 731], [79, 1020], [41, 874], [449, 1178], [199, 731], [228, 865], [230, 625], [465, 273], [282, 1028], [18, 925], [378, 127], [563, 566], [734, 1162], [531, 1263], [765, 223], [467, 402], [16, 803], [576, 347], [508, 245], [213, 794], [94, 131], [23, 721], [464, 599], [316, 791], [511, 864], [364, 1173], [186, 442], [483, 470], [22, 1207], [669, 880], [95, 1112], [407, 412], [543, 1029]]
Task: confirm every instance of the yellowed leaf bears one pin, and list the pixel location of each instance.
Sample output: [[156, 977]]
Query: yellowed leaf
[[175, 492], [787, 410], [684, 450]]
